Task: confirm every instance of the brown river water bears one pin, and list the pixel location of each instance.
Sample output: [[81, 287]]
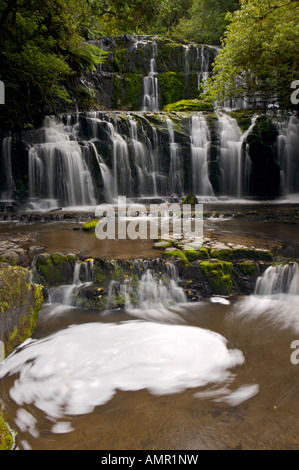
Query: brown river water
[[208, 375]]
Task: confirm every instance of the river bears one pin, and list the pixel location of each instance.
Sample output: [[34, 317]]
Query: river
[[216, 374]]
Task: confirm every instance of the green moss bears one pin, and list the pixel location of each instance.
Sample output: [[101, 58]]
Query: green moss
[[21, 298], [218, 275], [6, 439], [171, 87], [120, 60], [176, 254], [223, 255], [117, 92], [191, 255], [90, 225], [247, 269], [188, 105], [203, 253], [54, 269], [190, 199], [58, 258], [15, 285], [133, 90], [245, 253]]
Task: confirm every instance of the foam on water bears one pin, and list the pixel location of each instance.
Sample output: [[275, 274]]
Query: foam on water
[[81, 367]]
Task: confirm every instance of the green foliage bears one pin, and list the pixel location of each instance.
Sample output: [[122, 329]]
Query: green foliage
[[42, 47], [260, 53], [205, 22]]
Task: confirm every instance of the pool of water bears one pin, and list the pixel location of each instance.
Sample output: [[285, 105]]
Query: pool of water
[[210, 375]]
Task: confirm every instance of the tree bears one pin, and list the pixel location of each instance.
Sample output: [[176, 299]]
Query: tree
[[42, 46], [259, 59], [205, 22]]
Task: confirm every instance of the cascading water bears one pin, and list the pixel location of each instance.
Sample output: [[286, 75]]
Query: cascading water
[[65, 295], [278, 280], [287, 148], [175, 162], [9, 186], [150, 101], [200, 139], [58, 174]]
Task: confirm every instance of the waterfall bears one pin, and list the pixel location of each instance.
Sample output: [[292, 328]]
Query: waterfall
[[231, 157], [200, 138], [58, 174], [281, 279], [107, 177], [287, 149], [145, 163], [157, 289], [65, 295], [9, 186], [150, 100], [175, 162]]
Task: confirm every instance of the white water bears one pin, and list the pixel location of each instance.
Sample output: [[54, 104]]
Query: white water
[[280, 279], [76, 369], [275, 300], [200, 138], [288, 154], [64, 295], [176, 174], [150, 101], [58, 174]]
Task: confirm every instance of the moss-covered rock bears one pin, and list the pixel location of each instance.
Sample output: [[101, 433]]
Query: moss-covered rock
[[223, 255], [20, 303], [175, 253], [191, 254], [56, 268], [90, 225], [6, 439], [190, 199], [247, 268], [203, 253], [188, 105], [218, 274]]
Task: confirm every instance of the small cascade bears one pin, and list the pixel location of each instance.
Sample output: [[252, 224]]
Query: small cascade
[[65, 295], [58, 173], [200, 138], [203, 75], [287, 149], [9, 185], [175, 162], [157, 288], [150, 101], [279, 280]]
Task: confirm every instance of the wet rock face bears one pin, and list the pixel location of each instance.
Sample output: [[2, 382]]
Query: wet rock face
[[179, 68], [20, 303], [265, 172]]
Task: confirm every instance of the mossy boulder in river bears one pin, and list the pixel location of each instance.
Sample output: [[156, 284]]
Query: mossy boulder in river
[[218, 274], [56, 268]]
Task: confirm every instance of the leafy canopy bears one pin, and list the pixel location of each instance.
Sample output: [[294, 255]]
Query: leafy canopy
[[260, 53], [42, 46]]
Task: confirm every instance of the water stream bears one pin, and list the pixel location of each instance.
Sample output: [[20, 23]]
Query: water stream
[[112, 380]]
